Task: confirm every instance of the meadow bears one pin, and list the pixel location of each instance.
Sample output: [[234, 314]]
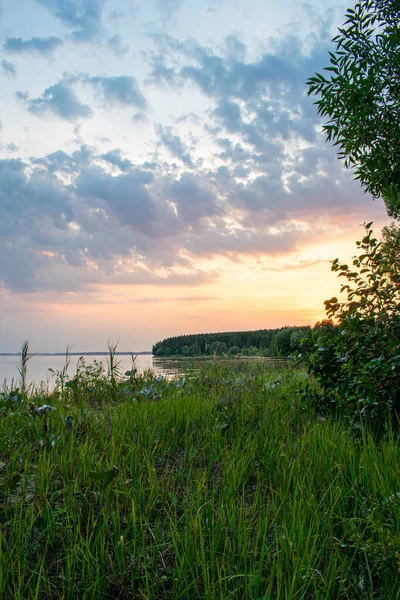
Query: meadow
[[224, 484]]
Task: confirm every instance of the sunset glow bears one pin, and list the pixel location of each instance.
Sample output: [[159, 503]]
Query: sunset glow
[[162, 171]]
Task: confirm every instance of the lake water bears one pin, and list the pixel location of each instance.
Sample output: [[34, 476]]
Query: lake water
[[38, 366]]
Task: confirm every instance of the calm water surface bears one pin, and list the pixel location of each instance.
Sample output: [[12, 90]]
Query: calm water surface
[[39, 366]]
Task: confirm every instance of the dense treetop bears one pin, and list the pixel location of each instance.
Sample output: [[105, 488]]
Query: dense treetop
[[268, 342]]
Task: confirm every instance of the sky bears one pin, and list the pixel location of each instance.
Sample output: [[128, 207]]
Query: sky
[[162, 170]]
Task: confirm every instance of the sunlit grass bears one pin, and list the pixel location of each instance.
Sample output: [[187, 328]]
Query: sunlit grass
[[228, 486]]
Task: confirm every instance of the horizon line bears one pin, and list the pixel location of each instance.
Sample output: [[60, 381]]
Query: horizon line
[[97, 353]]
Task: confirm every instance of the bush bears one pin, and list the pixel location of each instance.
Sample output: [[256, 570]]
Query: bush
[[358, 364], [252, 351], [234, 350]]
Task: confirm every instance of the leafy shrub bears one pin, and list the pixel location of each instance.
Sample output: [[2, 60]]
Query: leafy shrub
[[234, 350], [252, 351], [358, 363]]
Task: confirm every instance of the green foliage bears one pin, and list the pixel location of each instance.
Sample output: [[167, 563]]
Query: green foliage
[[227, 486], [23, 368], [360, 95], [10, 485], [391, 245], [358, 364], [233, 350], [105, 477], [281, 342], [284, 341], [89, 381], [252, 351], [61, 375], [218, 348]]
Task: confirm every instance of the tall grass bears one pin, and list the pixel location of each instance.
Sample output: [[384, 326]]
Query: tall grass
[[227, 486], [113, 363], [23, 367]]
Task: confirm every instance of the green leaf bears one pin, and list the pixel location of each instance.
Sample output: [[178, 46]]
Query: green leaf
[[104, 476], [334, 69], [71, 384]]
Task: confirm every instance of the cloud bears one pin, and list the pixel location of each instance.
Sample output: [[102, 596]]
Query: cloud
[[24, 203], [62, 162], [269, 155], [35, 45], [82, 16], [139, 117], [168, 9], [8, 68], [58, 99], [114, 157], [239, 243], [143, 225], [122, 90], [193, 198], [264, 101], [235, 48], [259, 180], [128, 199], [116, 44], [62, 100], [175, 145]]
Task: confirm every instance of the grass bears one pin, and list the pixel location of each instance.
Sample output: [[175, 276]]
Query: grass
[[226, 486]]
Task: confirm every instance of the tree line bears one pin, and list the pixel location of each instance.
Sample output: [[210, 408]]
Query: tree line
[[284, 342]]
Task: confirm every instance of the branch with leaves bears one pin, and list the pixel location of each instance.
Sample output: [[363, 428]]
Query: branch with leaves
[[360, 95]]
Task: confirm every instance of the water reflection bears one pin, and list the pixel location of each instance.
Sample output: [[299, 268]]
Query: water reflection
[[176, 366]]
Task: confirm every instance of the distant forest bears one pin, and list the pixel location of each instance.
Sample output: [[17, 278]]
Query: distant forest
[[265, 342]]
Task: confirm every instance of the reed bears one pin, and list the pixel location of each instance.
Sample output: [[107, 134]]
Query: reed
[[23, 367]]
